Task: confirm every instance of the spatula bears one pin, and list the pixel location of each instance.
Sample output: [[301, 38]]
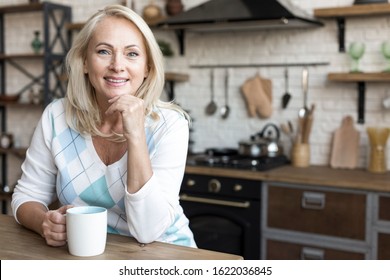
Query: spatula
[[286, 96]]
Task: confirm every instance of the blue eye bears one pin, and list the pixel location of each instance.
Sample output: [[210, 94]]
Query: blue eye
[[132, 54], [102, 52]]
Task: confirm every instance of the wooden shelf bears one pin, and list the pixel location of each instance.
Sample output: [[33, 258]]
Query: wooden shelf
[[5, 195], [22, 8], [20, 152], [340, 13], [170, 80], [19, 104], [74, 26], [353, 11], [20, 56], [360, 77], [176, 77]]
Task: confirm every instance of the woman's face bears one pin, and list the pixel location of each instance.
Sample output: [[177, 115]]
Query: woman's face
[[116, 61]]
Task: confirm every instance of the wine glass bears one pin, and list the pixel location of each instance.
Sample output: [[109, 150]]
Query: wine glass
[[385, 49], [356, 51]]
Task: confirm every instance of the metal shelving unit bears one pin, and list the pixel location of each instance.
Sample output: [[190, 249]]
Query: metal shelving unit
[[56, 42]]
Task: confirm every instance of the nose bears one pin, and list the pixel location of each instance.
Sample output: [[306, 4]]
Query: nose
[[116, 64]]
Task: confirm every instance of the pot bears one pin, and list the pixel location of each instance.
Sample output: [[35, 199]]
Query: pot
[[264, 143]]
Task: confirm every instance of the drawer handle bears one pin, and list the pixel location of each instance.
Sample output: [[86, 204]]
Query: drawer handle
[[312, 200], [244, 204], [312, 254]]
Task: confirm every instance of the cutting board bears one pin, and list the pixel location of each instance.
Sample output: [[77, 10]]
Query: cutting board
[[345, 148]]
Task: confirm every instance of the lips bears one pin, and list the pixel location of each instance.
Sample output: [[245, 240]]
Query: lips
[[116, 81]]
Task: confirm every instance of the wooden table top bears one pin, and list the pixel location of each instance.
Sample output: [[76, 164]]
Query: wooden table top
[[358, 179], [19, 243]]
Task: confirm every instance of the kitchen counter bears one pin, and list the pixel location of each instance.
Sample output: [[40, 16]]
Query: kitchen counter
[[19, 243], [359, 179]]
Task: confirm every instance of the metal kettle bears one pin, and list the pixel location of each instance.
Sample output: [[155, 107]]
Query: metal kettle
[[264, 143]]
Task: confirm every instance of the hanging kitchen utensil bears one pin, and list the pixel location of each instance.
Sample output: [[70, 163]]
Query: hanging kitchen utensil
[[257, 92], [225, 110], [211, 108], [286, 129], [307, 125], [304, 110], [286, 96]]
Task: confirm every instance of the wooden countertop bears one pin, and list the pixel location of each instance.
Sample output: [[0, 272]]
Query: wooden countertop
[[19, 243], [359, 179]]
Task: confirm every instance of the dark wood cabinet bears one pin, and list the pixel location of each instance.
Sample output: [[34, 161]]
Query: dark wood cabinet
[[382, 227], [384, 208], [279, 250], [383, 245], [314, 222], [321, 212]]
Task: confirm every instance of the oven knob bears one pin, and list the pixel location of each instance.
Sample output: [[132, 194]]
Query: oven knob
[[237, 188], [214, 186], [190, 183]]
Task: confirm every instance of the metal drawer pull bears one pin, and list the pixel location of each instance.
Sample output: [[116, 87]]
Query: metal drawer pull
[[245, 204], [312, 254], [312, 200]]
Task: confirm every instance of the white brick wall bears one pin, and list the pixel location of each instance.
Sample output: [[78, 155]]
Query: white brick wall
[[333, 100]]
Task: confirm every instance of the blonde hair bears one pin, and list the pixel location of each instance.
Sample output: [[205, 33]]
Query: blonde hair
[[82, 111]]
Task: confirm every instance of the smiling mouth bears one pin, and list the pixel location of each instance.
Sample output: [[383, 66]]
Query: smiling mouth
[[116, 81]]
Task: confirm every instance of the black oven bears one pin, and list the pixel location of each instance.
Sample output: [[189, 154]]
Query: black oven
[[224, 213]]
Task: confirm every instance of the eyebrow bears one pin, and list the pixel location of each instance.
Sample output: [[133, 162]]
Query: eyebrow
[[111, 46]]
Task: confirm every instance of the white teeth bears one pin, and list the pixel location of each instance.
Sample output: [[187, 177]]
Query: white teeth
[[116, 81]]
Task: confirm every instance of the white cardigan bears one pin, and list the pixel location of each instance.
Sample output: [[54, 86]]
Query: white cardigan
[[61, 163]]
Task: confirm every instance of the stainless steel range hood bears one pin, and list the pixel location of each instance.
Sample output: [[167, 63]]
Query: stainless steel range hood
[[230, 15]]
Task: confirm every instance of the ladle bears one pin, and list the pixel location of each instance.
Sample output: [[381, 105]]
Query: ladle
[[304, 111], [225, 110], [211, 108]]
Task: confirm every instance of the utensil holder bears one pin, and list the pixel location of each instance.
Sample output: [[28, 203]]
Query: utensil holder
[[378, 138], [300, 155]]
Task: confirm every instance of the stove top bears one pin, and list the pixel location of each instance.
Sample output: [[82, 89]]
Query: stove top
[[237, 161]]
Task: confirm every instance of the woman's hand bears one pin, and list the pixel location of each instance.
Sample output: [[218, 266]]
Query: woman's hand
[[139, 167], [54, 226], [132, 110]]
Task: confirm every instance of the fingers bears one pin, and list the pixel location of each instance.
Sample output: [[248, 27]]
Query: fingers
[[132, 112], [126, 104], [62, 210], [54, 226]]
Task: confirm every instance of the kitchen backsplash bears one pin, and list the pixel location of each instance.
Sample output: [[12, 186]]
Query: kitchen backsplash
[[317, 45]]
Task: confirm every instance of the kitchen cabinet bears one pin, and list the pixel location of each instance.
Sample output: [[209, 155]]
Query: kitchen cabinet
[[381, 227], [350, 219], [279, 250], [50, 81], [300, 222]]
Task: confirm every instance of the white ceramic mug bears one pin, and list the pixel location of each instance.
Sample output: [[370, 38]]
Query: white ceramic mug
[[86, 229]]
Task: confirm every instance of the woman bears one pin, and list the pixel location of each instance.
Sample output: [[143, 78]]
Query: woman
[[111, 142]]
